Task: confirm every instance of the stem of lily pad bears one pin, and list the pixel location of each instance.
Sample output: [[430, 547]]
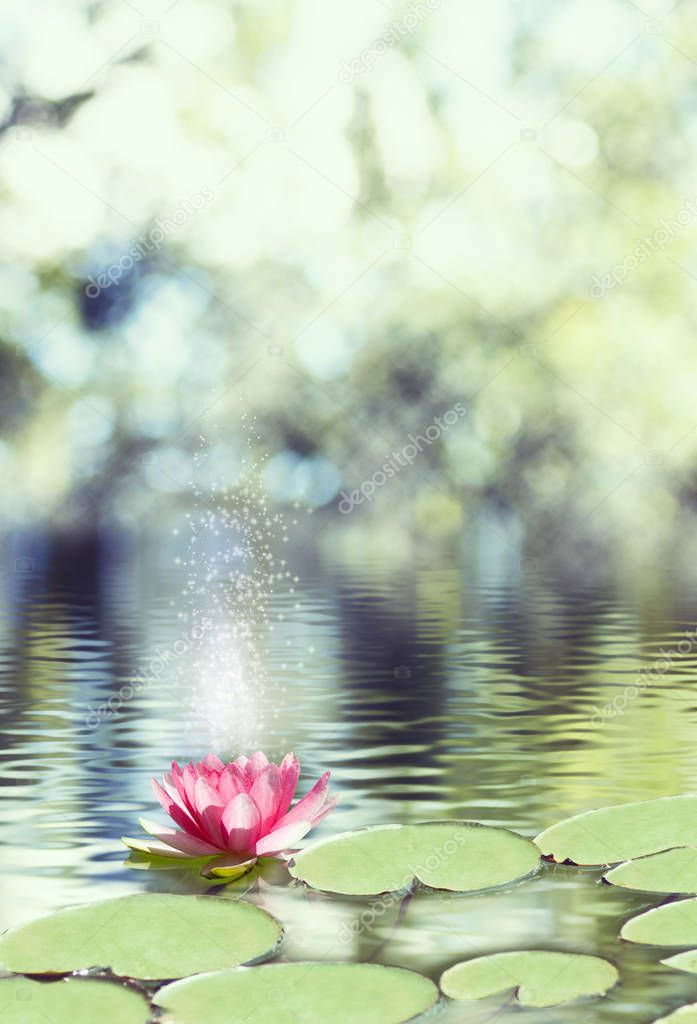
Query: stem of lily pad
[[401, 914], [506, 1005], [495, 1014]]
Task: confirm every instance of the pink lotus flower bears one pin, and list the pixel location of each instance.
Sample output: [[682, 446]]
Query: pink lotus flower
[[240, 809]]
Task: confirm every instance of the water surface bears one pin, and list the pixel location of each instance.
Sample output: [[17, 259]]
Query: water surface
[[429, 694]]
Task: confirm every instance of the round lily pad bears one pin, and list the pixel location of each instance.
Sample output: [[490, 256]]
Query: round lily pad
[[539, 978], [668, 871], [462, 856], [69, 1001], [624, 832], [311, 993], [685, 1015], [147, 936], [674, 924]]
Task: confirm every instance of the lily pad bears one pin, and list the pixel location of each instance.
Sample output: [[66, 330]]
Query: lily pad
[[685, 1015], [147, 936], [70, 1001], [674, 924], [623, 832], [461, 856], [683, 961], [311, 993], [668, 871], [539, 978]]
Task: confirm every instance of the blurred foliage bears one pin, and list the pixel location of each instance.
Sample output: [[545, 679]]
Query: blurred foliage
[[374, 251]]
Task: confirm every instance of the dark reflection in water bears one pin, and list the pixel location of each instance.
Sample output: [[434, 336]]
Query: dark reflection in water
[[428, 694]]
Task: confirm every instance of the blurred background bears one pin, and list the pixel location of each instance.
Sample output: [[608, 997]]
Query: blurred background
[[343, 224]]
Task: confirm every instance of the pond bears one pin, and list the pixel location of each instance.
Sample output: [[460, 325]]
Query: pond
[[429, 693]]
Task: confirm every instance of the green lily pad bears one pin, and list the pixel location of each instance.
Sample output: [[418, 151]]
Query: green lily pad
[[674, 924], [70, 1001], [311, 993], [668, 871], [146, 936], [462, 856], [624, 832], [683, 961], [685, 1015], [539, 978]]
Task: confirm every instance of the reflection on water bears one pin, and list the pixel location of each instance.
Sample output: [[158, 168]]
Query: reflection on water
[[428, 695]]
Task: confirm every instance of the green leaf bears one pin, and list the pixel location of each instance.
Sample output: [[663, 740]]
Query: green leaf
[[624, 832], [668, 871], [674, 924], [539, 978], [142, 861], [70, 1001], [685, 1015], [228, 868], [311, 993], [462, 856], [145, 936], [683, 961]]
